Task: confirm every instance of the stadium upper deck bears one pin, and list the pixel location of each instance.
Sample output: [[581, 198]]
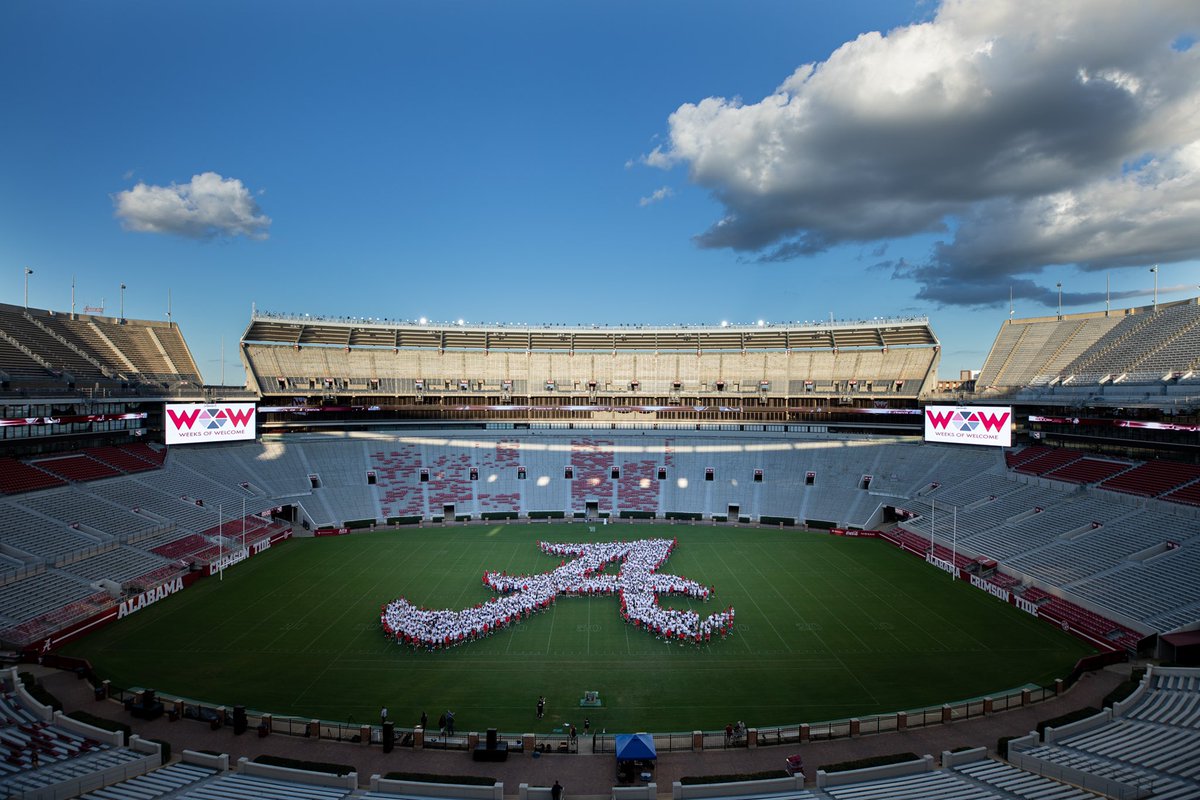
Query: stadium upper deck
[[1146, 345], [71, 381], [289, 355], [44, 351], [266, 327]]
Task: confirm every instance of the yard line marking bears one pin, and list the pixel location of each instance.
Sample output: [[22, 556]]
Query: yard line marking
[[805, 587], [934, 631], [832, 651], [346, 609], [851, 599], [306, 577], [553, 609], [752, 600]]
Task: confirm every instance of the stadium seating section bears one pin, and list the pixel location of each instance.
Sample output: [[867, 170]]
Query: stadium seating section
[[1149, 741], [1097, 353], [53, 350], [1100, 561], [17, 477], [164, 782], [79, 467], [35, 754], [1153, 479], [91, 465]]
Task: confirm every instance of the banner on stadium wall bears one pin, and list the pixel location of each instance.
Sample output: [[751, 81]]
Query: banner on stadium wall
[[1013, 599], [69, 419], [1118, 423], [117, 610], [984, 425], [131, 605], [855, 532], [192, 423], [305, 409]]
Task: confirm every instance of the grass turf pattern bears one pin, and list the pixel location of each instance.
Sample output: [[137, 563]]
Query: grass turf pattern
[[826, 628]]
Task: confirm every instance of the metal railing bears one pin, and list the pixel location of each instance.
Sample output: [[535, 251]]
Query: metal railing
[[602, 742]]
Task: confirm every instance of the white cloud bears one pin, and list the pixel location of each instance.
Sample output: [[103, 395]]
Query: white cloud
[[1033, 133], [658, 195], [208, 206]]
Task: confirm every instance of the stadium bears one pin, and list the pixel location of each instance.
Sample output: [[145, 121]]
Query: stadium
[[734, 538]]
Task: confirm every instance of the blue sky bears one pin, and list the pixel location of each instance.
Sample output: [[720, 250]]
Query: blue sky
[[612, 162]]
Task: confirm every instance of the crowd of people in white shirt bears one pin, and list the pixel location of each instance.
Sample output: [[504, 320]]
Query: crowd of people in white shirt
[[637, 584]]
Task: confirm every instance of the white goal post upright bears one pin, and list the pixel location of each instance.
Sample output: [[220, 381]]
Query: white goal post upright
[[932, 524], [954, 542]]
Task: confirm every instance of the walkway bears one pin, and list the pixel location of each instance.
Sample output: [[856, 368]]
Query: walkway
[[586, 774]]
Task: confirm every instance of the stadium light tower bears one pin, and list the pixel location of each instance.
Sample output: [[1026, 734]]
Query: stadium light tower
[[1154, 269], [1059, 285], [28, 272], [122, 304]]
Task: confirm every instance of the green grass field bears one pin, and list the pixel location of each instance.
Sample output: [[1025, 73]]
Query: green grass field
[[826, 628]]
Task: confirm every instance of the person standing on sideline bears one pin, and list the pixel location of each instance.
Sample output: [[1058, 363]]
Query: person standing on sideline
[[424, 720], [556, 791], [587, 725], [541, 706], [383, 715], [449, 722]]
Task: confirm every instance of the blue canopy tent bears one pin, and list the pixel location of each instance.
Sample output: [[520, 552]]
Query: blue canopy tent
[[635, 747]]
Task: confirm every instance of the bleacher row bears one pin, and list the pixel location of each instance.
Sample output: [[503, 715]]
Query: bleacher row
[[235, 786], [92, 464], [168, 780], [983, 779], [1166, 480]]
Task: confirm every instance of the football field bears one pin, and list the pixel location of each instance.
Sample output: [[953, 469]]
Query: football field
[[826, 628]]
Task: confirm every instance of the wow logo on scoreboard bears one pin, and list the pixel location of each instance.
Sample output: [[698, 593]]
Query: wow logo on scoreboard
[[208, 422], [986, 425]]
